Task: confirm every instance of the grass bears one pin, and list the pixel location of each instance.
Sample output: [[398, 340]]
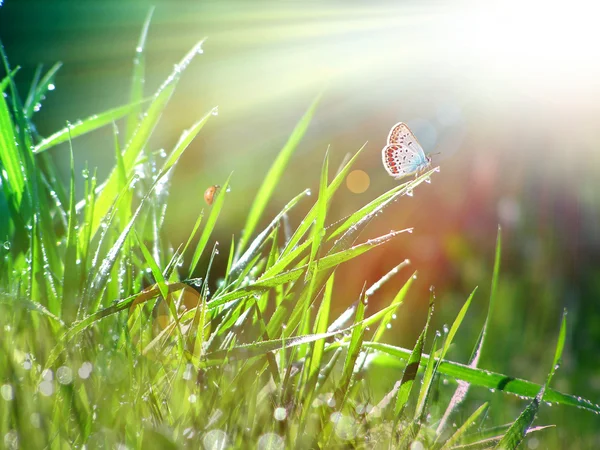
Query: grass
[[109, 342]]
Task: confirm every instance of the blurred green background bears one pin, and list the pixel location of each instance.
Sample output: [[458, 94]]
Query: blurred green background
[[507, 92]]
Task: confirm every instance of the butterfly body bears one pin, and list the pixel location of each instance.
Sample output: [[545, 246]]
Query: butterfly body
[[403, 155]]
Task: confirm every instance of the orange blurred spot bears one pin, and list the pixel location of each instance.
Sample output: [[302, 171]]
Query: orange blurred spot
[[358, 181]]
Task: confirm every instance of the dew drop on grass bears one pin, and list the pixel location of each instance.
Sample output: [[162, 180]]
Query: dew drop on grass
[[64, 375], [6, 245], [215, 440], [192, 398], [11, 440], [389, 326], [46, 388], [270, 441], [280, 414], [445, 328], [410, 193], [394, 316], [35, 419], [215, 111], [51, 87], [85, 370], [7, 392]]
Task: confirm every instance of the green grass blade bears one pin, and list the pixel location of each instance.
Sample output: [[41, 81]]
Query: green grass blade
[[137, 78], [491, 380], [257, 243], [516, 433], [354, 349], [84, 126], [9, 153], [396, 302], [321, 214], [8, 79], [140, 138], [273, 177], [209, 227], [39, 90], [325, 263], [455, 438], [71, 272], [411, 370], [310, 217], [456, 324]]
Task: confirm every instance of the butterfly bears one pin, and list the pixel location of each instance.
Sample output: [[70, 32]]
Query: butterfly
[[403, 155]]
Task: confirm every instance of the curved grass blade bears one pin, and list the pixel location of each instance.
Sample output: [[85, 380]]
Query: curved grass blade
[[256, 244], [39, 90], [209, 227], [489, 380], [273, 176], [7, 79], [325, 263], [85, 126], [464, 427], [463, 387], [138, 142], [310, 217], [516, 433], [396, 302], [137, 78]]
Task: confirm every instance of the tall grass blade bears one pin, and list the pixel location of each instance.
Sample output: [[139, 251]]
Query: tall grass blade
[[516, 433], [273, 177]]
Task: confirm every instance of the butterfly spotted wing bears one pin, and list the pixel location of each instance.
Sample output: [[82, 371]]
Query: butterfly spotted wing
[[403, 155]]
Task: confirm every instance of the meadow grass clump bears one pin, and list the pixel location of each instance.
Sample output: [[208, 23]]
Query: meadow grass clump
[[109, 342]]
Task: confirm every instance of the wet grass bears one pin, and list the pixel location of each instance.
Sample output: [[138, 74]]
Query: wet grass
[[108, 341]]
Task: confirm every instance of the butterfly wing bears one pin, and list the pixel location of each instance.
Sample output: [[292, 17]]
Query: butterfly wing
[[400, 160], [401, 134], [403, 155]]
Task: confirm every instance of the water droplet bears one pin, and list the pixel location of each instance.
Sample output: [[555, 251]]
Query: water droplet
[[270, 441], [46, 388], [215, 440], [280, 414], [445, 328], [85, 370], [37, 107], [409, 192], [139, 49], [51, 87], [85, 173], [215, 111], [7, 392], [228, 189], [394, 316], [428, 180], [192, 398], [6, 245], [389, 326], [64, 375]]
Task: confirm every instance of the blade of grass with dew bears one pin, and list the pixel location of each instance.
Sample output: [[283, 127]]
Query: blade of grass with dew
[[311, 216], [9, 153], [456, 437], [412, 430], [273, 177], [411, 370], [315, 356], [209, 227], [256, 244], [354, 349], [137, 78], [485, 439], [516, 433], [138, 142], [71, 273], [456, 324], [84, 126], [396, 302], [7, 79], [487, 379], [37, 94], [463, 387]]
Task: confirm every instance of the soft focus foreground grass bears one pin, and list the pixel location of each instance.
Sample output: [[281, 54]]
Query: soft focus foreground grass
[[108, 341]]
